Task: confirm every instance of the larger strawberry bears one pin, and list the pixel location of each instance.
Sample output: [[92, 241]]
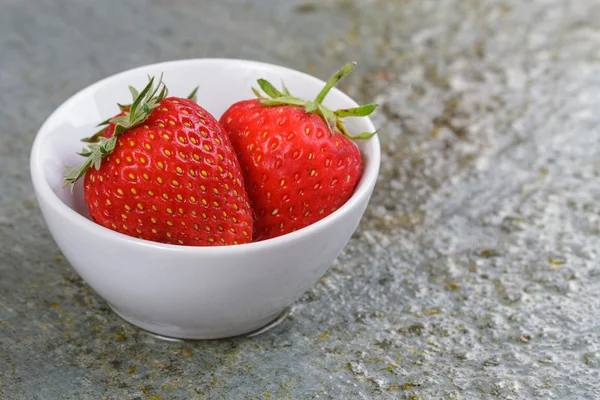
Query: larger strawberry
[[164, 170], [299, 162]]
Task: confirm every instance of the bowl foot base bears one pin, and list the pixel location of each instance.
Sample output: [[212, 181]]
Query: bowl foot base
[[155, 330]]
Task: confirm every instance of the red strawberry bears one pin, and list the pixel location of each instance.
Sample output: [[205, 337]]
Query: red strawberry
[[298, 160], [165, 171]]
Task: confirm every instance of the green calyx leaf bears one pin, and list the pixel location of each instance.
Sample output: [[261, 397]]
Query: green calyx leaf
[[269, 89], [194, 94], [257, 93], [329, 117], [93, 154], [285, 89], [134, 92], [361, 111], [135, 114], [124, 107], [332, 118], [282, 101], [95, 137]]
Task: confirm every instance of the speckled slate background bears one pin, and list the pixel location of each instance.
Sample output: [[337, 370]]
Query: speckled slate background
[[474, 273]]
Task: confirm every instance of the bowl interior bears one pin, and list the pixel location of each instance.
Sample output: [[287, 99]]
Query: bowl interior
[[221, 83]]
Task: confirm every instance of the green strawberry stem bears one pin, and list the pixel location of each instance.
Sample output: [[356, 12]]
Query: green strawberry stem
[[126, 107], [99, 146], [332, 118]]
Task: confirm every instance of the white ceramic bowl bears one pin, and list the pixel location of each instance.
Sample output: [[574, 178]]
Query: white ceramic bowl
[[179, 291]]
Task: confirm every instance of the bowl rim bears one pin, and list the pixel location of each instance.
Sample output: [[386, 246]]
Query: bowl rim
[[45, 193]]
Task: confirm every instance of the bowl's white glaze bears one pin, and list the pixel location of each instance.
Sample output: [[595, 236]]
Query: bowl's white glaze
[[180, 291]]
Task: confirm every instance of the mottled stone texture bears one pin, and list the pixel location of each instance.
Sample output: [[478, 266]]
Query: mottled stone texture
[[474, 273]]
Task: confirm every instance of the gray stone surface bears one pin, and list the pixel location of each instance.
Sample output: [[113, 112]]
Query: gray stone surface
[[474, 273]]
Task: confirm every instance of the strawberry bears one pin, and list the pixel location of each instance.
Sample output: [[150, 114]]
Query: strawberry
[[299, 162], [164, 170]]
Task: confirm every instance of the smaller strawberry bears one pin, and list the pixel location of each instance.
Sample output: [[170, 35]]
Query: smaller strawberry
[[298, 160], [164, 170]]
